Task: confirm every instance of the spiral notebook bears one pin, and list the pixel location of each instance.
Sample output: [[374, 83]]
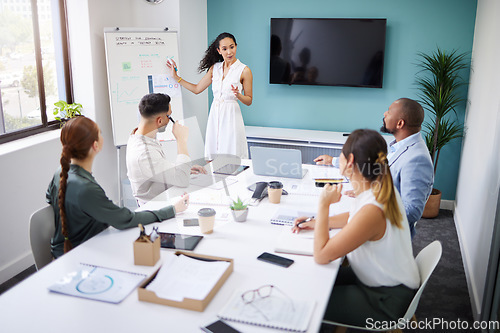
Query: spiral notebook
[[98, 283], [285, 216], [273, 312]]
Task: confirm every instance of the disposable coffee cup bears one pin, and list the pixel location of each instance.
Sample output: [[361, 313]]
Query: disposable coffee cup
[[274, 191], [206, 218]]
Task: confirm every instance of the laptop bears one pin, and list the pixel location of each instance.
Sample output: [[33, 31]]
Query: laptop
[[277, 162]]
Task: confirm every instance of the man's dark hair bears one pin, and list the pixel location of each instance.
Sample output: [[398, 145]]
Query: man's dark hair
[[153, 104], [412, 113]]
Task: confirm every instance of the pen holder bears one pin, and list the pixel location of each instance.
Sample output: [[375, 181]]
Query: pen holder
[[146, 253]]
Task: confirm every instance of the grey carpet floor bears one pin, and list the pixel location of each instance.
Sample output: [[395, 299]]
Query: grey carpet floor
[[446, 297]]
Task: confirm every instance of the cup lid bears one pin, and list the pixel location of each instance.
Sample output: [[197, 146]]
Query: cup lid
[[275, 184], [206, 212]]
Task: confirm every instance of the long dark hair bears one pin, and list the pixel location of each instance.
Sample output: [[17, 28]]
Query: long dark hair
[[77, 137], [211, 55], [369, 150]]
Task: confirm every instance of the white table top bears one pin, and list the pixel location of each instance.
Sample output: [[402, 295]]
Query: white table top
[[29, 306]]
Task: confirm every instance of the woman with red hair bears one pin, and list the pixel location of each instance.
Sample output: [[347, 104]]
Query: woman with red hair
[[81, 207]]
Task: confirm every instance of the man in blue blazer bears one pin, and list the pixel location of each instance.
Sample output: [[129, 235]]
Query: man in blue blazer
[[409, 159]]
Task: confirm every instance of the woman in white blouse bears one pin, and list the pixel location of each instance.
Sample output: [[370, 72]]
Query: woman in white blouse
[[382, 276]]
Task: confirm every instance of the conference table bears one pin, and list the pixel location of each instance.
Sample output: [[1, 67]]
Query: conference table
[[30, 306]]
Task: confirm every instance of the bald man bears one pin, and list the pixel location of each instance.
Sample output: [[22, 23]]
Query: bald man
[[409, 158]]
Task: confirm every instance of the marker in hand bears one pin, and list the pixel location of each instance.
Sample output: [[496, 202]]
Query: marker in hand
[[171, 63]]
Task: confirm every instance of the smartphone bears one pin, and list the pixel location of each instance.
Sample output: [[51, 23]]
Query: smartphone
[[190, 222], [219, 327], [274, 259]]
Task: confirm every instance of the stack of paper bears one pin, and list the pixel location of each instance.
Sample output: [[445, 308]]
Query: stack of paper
[[185, 277]]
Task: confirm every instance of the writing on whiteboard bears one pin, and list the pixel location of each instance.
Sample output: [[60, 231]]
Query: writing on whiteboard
[[139, 40]]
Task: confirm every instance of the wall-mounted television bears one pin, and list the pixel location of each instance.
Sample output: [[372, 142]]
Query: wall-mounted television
[[327, 51]]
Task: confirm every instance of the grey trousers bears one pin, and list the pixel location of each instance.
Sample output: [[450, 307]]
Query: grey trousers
[[353, 303]]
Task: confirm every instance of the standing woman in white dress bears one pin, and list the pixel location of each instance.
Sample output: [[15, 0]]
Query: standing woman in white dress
[[231, 82]]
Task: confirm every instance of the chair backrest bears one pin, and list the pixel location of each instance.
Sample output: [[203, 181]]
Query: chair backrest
[[42, 227], [426, 260]]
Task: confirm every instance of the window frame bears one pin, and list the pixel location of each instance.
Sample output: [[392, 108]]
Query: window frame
[[46, 125]]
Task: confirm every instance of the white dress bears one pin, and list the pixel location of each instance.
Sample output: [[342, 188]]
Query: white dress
[[225, 127]]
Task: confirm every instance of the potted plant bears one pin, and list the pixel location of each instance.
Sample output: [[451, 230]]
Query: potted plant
[[239, 210], [64, 111], [439, 94]]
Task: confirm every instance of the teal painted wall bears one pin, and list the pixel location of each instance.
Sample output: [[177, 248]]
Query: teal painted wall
[[412, 27]]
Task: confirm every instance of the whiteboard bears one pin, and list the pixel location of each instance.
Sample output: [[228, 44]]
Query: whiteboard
[[135, 62]]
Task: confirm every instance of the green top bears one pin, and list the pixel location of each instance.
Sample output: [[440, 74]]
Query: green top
[[89, 211]]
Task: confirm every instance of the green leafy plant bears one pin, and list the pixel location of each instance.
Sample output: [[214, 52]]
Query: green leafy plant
[[439, 85], [238, 205], [64, 111]]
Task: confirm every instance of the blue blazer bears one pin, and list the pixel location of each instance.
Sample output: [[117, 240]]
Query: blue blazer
[[413, 175]]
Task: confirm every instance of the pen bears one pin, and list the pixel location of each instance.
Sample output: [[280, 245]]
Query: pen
[[171, 119], [154, 234], [306, 220]]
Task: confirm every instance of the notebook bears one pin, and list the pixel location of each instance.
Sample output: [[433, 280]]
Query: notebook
[[209, 198], [297, 243], [281, 313], [278, 162], [286, 217], [98, 283]]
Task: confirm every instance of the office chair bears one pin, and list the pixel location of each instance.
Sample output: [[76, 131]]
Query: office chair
[[427, 261], [42, 227]]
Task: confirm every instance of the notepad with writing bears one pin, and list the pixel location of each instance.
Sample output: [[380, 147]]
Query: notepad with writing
[[274, 311], [98, 283]]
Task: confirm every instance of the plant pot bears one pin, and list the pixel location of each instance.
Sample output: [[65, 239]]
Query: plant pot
[[431, 209], [240, 215]]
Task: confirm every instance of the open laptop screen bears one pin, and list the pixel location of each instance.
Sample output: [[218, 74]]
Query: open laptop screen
[[278, 162]]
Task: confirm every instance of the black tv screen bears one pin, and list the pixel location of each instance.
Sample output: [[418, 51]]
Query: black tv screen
[[327, 51]]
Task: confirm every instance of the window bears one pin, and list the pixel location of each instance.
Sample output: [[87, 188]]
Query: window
[[34, 66]]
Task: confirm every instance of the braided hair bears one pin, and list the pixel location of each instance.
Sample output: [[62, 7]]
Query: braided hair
[[211, 55], [369, 150], [77, 137]]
